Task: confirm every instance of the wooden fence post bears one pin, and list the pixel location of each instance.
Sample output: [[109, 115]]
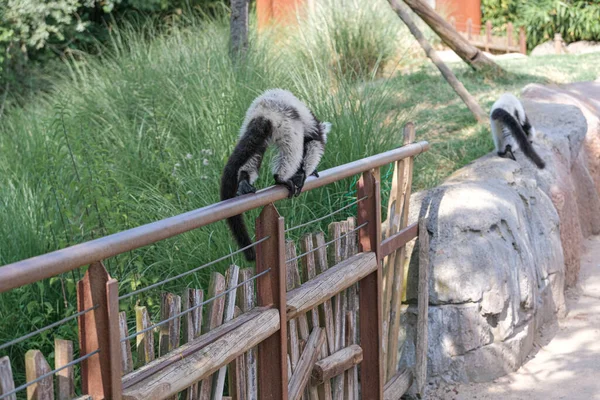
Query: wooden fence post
[[470, 29], [7, 383], [522, 40], [557, 43], [509, 36], [370, 288], [488, 35], [63, 354], [99, 330], [272, 353], [423, 307], [36, 366]]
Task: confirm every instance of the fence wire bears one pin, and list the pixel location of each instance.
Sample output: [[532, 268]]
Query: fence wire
[[52, 325], [326, 216], [48, 374], [125, 296], [327, 243], [194, 307]]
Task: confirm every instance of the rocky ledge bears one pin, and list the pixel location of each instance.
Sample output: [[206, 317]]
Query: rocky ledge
[[506, 241]]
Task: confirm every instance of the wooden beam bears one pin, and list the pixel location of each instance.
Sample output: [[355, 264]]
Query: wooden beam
[[394, 242], [398, 385], [307, 360], [63, 354], [337, 363], [471, 55], [36, 366], [196, 360], [7, 384], [126, 357], [329, 283], [402, 11]]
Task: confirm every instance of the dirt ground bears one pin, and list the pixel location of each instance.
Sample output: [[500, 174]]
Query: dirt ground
[[566, 363]]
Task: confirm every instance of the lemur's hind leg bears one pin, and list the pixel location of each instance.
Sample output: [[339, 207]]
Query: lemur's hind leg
[[507, 153]]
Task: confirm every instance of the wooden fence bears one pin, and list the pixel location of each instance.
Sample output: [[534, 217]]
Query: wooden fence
[[318, 319], [481, 37]]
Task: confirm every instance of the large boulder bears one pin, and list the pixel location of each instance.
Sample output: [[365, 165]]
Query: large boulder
[[506, 241]]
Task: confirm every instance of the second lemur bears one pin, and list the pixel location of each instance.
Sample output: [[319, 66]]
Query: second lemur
[[508, 121], [275, 118]]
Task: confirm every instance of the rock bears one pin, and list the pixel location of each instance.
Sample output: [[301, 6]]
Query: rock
[[547, 48], [583, 47], [506, 240]]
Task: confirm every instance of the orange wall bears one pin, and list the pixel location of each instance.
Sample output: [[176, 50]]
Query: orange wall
[[279, 11], [462, 10]]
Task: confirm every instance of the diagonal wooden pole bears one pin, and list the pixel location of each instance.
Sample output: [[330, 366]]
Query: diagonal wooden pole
[[402, 11]]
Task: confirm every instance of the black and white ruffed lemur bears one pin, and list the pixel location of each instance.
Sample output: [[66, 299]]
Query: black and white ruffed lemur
[[508, 121], [280, 119]]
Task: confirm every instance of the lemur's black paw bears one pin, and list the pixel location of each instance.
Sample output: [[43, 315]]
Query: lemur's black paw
[[315, 174], [244, 187], [289, 184]]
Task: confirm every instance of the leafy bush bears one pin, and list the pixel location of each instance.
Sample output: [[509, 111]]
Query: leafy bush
[[573, 19]]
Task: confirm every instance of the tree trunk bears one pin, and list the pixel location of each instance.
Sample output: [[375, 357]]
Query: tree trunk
[[461, 46], [239, 27], [458, 87]]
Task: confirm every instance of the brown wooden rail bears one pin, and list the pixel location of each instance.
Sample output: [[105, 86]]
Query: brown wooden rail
[[48, 265]]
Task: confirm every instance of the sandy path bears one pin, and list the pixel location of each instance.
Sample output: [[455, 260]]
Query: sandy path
[[567, 363]]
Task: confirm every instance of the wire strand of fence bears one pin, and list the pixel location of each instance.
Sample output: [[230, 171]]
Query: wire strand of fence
[[191, 271], [133, 335], [47, 327], [48, 374], [326, 216], [327, 243]]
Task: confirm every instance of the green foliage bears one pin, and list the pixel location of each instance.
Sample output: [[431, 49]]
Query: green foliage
[[573, 19], [341, 34]]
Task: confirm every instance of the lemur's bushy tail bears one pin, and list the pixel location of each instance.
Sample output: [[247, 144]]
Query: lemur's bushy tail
[[519, 134], [251, 143]]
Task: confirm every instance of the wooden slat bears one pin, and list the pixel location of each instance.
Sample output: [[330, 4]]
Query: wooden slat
[[337, 363], [201, 361], [394, 242], [370, 288], [231, 277], [247, 300], [272, 352], [114, 339], [398, 385], [329, 283], [144, 341], [309, 266], [7, 383], [423, 307], [237, 372], [36, 366], [351, 389], [214, 319], [322, 266], [292, 281], [63, 354], [192, 328], [326, 316], [126, 357], [169, 333], [307, 360], [400, 258]]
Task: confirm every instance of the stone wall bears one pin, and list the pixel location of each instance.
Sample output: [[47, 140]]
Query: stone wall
[[506, 240]]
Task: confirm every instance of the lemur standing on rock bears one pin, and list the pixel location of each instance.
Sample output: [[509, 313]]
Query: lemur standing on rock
[[508, 119], [275, 118]]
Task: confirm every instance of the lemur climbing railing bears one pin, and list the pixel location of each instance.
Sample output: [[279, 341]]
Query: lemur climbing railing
[[342, 304]]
